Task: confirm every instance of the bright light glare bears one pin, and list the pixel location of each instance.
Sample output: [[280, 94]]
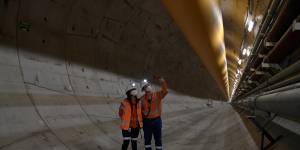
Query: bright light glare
[[240, 61], [145, 81], [250, 25], [248, 52], [244, 51], [133, 84]]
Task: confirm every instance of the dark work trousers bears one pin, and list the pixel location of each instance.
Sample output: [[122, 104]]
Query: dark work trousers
[[152, 127], [130, 136]]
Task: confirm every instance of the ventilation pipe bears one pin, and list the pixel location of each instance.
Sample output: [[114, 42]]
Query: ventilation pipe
[[201, 23]]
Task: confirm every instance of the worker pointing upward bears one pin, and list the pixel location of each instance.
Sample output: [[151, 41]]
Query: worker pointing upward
[[151, 109]]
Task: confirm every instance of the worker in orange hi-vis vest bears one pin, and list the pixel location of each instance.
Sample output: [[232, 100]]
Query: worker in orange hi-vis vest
[[152, 108], [130, 113]]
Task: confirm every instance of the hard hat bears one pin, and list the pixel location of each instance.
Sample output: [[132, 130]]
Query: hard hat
[[145, 86], [131, 92], [130, 86]]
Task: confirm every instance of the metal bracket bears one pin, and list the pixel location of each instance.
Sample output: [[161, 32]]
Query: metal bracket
[[254, 82], [270, 44], [296, 26], [271, 65], [264, 133], [263, 73], [261, 56], [259, 73], [269, 120]]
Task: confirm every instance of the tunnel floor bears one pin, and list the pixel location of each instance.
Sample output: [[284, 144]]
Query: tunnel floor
[[91, 123], [208, 129]]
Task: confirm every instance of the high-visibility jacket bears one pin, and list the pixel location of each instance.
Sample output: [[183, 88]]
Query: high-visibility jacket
[[126, 115], [152, 102]]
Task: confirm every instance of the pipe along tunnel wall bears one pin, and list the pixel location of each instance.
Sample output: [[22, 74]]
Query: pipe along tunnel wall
[[66, 64]]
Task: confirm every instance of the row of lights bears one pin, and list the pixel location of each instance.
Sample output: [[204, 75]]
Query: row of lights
[[245, 52], [250, 23]]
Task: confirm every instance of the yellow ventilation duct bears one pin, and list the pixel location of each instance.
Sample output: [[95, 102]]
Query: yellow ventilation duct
[[201, 23]]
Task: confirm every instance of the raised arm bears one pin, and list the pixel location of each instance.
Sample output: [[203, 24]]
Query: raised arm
[[164, 88]]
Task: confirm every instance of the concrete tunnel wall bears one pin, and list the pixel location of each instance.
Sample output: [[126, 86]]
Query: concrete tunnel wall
[[62, 79]]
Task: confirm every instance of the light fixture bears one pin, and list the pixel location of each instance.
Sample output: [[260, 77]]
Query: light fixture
[[240, 61], [133, 84], [244, 51], [250, 25], [248, 52]]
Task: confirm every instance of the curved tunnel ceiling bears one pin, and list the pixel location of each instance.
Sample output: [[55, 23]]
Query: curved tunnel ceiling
[[136, 39], [128, 29], [203, 24], [236, 36]]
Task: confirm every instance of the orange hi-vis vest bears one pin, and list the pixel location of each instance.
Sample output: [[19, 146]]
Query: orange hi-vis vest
[[152, 103], [126, 115]]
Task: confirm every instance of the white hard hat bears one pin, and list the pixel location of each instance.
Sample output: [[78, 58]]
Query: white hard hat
[[146, 86], [132, 92]]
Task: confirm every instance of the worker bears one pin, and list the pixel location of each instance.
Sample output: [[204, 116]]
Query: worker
[[152, 108], [130, 113]]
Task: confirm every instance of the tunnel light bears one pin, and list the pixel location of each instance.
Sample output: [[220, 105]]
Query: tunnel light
[[244, 51], [240, 61], [248, 52], [250, 25]]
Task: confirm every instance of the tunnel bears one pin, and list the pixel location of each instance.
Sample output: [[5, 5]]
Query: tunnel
[[231, 66]]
